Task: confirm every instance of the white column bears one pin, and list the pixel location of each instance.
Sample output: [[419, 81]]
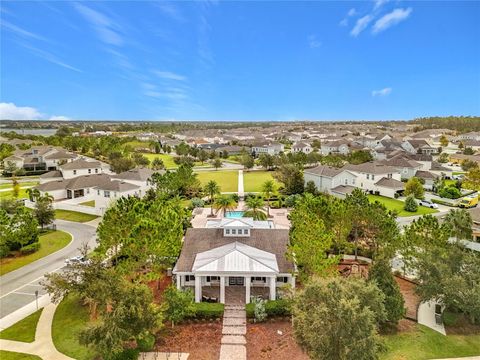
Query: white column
[[247, 289], [222, 289], [198, 289], [292, 282], [179, 284], [272, 287]]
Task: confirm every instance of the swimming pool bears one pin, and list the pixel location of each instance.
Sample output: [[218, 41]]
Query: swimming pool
[[234, 214]]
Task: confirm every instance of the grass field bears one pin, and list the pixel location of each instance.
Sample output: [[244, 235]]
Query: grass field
[[49, 243], [423, 343], [227, 180], [24, 330], [90, 203], [74, 216], [253, 180], [168, 160], [8, 355], [22, 184], [394, 204], [8, 194], [70, 317]]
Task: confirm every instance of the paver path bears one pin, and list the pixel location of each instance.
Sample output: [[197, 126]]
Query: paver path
[[43, 344], [241, 190], [234, 330]]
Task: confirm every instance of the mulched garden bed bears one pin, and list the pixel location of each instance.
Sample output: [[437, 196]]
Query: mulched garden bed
[[264, 341]]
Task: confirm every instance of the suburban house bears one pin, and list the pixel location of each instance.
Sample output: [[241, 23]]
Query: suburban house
[[406, 167], [302, 147], [271, 149], [40, 158], [241, 256], [460, 158], [473, 135], [335, 147], [419, 146], [330, 179]]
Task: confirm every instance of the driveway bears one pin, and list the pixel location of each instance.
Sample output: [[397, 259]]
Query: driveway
[[17, 288]]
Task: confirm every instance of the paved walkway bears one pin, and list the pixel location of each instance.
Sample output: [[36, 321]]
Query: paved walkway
[[426, 316], [43, 344], [241, 190], [234, 330]]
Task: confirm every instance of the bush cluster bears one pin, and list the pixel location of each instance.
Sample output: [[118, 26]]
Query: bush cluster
[[273, 308]]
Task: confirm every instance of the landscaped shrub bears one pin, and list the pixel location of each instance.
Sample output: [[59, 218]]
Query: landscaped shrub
[[206, 310], [273, 308], [410, 204], [127, 354], [259, 311], [29, 249], [197, 203], [450, 318], [146, 343], [450, 192]]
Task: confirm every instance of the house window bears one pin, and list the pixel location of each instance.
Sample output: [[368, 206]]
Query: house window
[[282, 279], [98, 192], [389, 176], [74, 172], [346, 181], [234, 231], [96, 171], [259, 279], [368, 176], [189, 278], [89, 171], [245, 231], [213, 278], [373, 177], [106, 193], [227, 231]]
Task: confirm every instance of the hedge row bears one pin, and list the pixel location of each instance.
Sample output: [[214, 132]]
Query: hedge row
[[206, 310], [273, 308]]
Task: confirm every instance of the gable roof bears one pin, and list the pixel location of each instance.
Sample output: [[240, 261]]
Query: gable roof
[[198, 240], [371, 167], [137, 174], [326, 171], [117, 185], [80, 164], [235, 257], [390, 183]]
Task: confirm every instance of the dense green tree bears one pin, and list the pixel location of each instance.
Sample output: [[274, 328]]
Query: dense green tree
[[182, 149], [359, 157], [468, 165], [157, 164], [468, 151], [311, 188], [410, 204], [140, 159], [337, 319], [44, 211], [247, 161], [268, 190], [443, 158], [414, 187], [202, 156], [381, 274], [217, 163], [6, 150], [460, 222], [119, 165], [292, 178], [177, 304], [444, 141], [266, 161], [472, 179]]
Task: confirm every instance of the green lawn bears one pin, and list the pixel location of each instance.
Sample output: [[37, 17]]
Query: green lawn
[[90, 203], [423, 343], [24, 330], [168, 160], [49, 243], [22, 184], [253, 180], [8, 194], [394, 204], [70, 317], [227, 180], [74, 216], [8, 355]]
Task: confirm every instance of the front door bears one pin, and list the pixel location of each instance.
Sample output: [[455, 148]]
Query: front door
[[236, 280]]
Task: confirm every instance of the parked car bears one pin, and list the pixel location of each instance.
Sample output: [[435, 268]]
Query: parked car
[[458, 177], [468, 202], [428, 204], [76, 260]]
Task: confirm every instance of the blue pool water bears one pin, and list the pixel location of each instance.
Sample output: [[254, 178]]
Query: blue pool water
[[234, 214]]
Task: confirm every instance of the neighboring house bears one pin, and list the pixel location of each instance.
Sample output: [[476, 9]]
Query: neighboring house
[[474, 144], [473, 135], [475, 214], [40, 158], [406, 167], [419, 146], [271, 149], [427, 177], [80, 167], [460, 158], [237, 255], [335, 147], [302, 147], [110, 191], [327, 178]]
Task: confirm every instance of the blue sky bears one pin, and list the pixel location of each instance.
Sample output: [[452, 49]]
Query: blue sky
[[268, 60]]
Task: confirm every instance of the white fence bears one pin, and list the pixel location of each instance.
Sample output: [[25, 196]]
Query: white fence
[[71, 207]]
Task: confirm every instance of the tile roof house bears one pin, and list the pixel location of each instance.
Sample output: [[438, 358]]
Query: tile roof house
[[234, 255]]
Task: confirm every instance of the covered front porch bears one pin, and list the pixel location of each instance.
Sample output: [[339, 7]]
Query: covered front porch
[[233, 289]]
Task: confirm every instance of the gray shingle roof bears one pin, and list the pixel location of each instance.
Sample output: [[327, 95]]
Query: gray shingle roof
[[116, 185], [137, 174], [390, 183], [198, 240], [80, 164], [371, 168], [323, 170]]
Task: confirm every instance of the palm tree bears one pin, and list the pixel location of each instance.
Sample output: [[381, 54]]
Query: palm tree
[[225, 203], [212, 189], [460, 222], [32, 193], [268, 189], [255, 208]]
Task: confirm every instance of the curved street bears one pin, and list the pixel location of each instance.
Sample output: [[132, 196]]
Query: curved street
[[17, 288]]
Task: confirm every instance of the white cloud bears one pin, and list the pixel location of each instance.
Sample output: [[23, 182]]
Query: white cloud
[[352, 12], [383, 92], [170, 10], [45, 55], [10, 111], [379, 3], [168, 75], [390, 19], [107, 30], [361, 25], [344, 22], [313, 42], [22, 32], [59, 118]]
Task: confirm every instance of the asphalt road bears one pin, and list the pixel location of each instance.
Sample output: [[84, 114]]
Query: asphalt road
[[17, 288]]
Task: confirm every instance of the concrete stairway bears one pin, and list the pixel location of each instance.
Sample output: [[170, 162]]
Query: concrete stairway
[[234, 330]]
